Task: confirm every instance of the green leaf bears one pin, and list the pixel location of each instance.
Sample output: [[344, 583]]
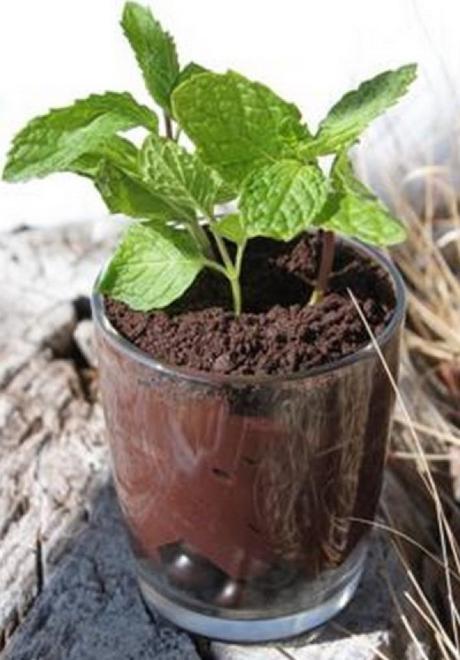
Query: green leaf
[[154, 49], [232, 228], [353, 210], [114, 168], [357, 109], [225, 193], [282, 199], [192, 69], [125, 193], [366, 220], [179, 176], [116, 150], [344, 179], [329, 209], [151, 267], [53, 142], [238, 125]]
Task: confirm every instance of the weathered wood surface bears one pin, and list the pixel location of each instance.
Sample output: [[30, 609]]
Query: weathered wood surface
[[52, 449], [60, 539], [92, 609]]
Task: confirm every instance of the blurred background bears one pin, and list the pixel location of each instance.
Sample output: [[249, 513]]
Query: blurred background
[[52, 52]]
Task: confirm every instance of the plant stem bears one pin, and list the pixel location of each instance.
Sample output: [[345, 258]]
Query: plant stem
[[232, 273], [236, 295], [232, 270], [223, 251], [234, 283], [201, 237], [168, 126], [239, 257], [213, 265], [325, 266]]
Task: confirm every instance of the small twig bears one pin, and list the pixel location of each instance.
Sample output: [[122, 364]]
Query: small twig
[[325, 266], [168, 126]]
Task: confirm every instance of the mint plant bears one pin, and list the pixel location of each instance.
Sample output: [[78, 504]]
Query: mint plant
[[250, 148]]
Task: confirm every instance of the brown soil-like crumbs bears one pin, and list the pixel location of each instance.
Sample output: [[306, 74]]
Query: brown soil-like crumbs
[[278, 333]]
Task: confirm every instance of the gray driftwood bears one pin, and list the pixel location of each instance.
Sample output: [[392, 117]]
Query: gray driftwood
[[52, 449], [92, 609], [67, 589]]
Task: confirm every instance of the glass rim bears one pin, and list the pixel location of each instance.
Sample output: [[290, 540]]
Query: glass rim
[[365, 352]]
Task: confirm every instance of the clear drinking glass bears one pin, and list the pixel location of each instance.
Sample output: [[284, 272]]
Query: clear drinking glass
[[248, 499]]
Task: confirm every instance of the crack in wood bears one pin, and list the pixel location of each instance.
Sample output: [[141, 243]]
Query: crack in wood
[[40, 568]]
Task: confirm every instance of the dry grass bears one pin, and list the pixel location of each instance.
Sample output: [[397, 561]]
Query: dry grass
[[422, 515], [432, 630], [430, 262]]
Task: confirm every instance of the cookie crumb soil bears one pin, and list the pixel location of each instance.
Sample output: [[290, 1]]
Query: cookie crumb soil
[[279, 332]]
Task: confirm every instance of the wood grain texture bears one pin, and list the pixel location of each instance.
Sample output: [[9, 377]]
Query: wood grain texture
[[92, 609], [52, 448]]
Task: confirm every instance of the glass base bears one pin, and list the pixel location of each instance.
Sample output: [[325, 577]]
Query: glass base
[[330, 593]]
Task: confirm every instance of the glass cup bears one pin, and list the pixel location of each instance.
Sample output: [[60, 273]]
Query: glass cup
[[249, 500]]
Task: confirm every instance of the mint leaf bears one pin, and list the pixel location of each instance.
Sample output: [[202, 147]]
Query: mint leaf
[[353, 210], [237, 125], [113, 167], [366, 220], [232, 228], [192, 69], [154, 49], [225, 193], [282, 199], [125, 193], [151, 267], [179, 176], [329, 209], [52, 142], [116, 150], [344, 179], [357, 109]]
